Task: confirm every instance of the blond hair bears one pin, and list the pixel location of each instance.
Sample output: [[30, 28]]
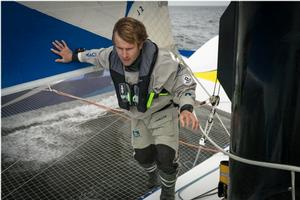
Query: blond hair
[[130, 30]]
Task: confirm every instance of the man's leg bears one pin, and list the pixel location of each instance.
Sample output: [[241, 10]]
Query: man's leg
[[168, 170], [146, 158], [144, 150], [166, 133]]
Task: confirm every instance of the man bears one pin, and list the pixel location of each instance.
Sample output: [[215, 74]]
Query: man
[[153, 87]]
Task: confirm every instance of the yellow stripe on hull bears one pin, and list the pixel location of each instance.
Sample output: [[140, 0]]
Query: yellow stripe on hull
[[210, 75]]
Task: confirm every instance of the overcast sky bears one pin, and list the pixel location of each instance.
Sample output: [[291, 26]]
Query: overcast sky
[[198, 3]]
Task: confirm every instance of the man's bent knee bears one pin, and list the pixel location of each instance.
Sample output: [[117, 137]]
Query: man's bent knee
[[146, 155], [165, 159]]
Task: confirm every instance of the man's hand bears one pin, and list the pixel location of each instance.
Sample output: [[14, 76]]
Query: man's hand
[[62, 50], [187, 118]]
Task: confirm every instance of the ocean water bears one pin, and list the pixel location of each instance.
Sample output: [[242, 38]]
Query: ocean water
[[192, 26]]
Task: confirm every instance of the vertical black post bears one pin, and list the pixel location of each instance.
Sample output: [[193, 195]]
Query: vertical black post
[[265, 57]]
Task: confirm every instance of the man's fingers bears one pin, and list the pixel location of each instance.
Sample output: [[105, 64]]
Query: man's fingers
[[65, 44], [195, 123], [57, 46], [60, 60], [55, 51], [189, 119], [60, 46], [182, 121]]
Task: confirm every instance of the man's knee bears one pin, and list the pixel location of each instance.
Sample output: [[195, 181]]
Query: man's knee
[[166, 159], [145, 155]]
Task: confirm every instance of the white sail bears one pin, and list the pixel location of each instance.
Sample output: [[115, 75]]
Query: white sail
[[81, 24], [155, 16]]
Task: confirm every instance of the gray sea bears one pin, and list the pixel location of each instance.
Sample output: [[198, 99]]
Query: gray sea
[[192, 26]]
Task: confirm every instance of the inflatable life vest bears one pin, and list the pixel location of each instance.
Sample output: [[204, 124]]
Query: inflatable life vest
[[133, 95]]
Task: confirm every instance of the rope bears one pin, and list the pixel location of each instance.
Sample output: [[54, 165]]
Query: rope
[[293, 185], [52, 164], [199, 147], [10, 166], [252, 162], [207, 130], [115, 111], [194, 181], [206, 194], [120, 113], [24, 96], [291, 168], [222, 124]]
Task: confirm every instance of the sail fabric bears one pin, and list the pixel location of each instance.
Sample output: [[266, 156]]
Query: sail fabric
[[80, 24]]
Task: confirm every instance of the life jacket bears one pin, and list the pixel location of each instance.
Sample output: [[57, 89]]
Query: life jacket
[[133, 95]]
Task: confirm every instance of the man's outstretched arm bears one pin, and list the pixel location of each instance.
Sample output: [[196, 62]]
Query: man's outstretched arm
[[96, 57]]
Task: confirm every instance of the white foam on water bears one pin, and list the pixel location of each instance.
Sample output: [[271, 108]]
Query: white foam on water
[[46, 134]]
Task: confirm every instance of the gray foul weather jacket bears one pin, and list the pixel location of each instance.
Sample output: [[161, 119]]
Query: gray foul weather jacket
[[167, 74]]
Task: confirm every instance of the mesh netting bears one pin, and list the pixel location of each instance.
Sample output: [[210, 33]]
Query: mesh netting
[[73, 150]]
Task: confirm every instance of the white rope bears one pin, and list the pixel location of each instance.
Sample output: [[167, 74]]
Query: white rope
[[252, 162], [10, 166], [24, 96], [207, 129], [61, 158], [222, 124], [112, 110], [291, 168], [293, 185]]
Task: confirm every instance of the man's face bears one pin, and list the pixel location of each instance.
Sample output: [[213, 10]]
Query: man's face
[[127, 52]]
